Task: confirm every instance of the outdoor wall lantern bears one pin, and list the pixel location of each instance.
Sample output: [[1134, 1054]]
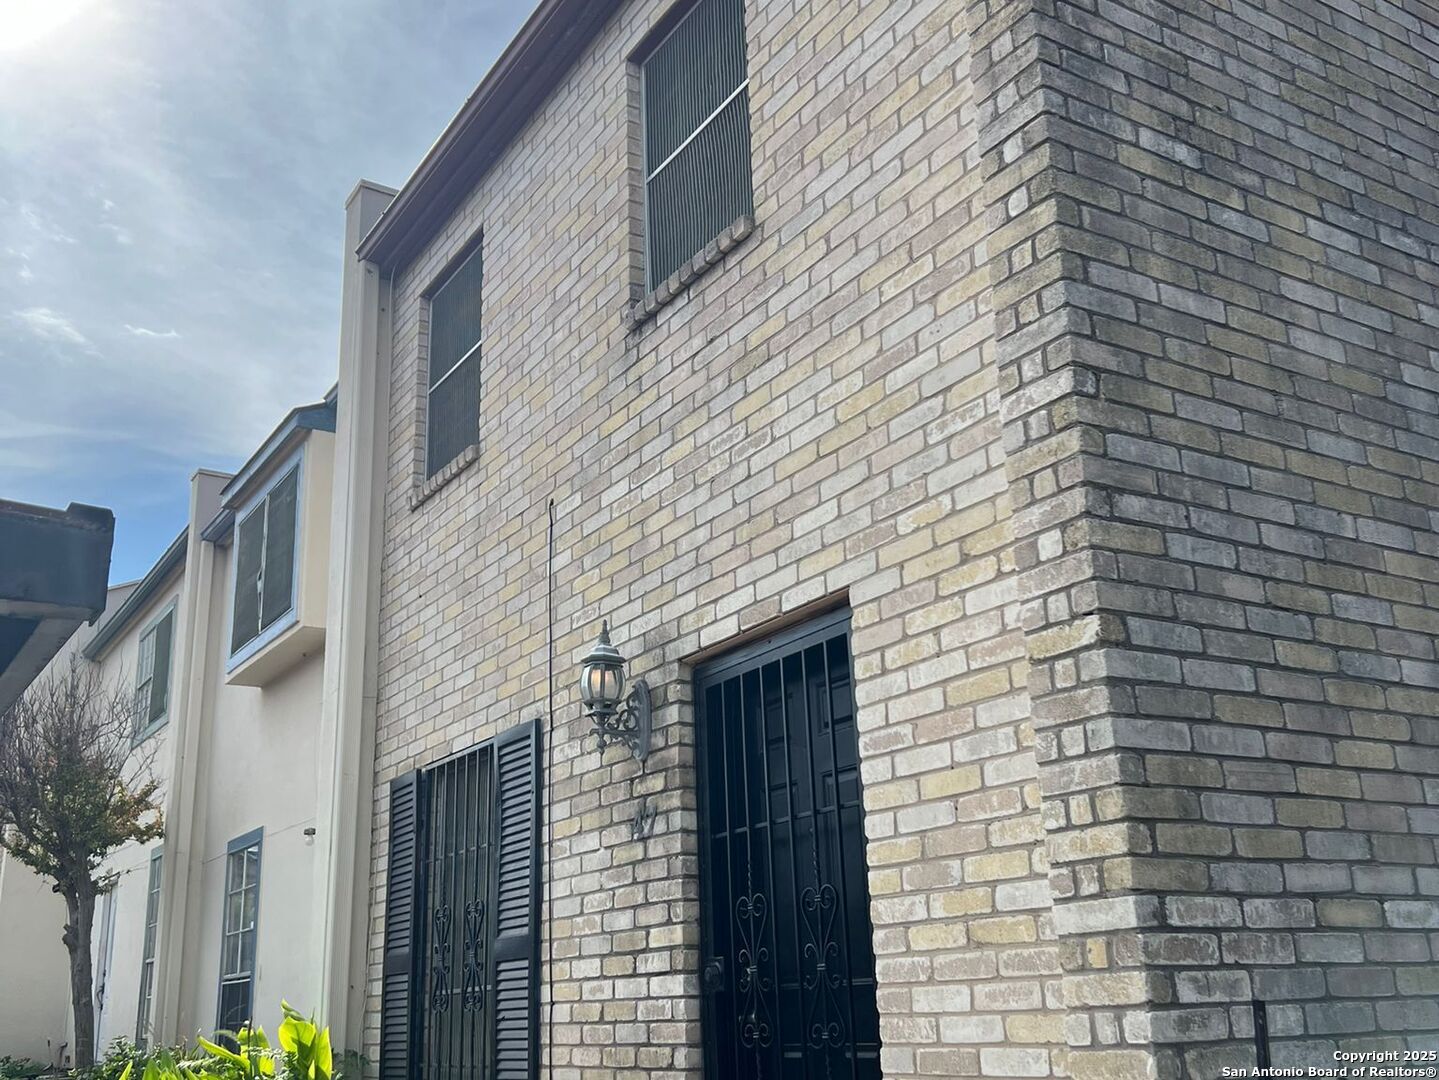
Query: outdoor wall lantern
[[616, 718]]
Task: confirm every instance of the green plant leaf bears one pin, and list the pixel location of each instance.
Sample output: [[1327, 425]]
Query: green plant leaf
[[223, 1052], [324, 1059]]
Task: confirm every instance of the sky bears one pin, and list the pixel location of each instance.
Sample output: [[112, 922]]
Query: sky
[[172, 183]]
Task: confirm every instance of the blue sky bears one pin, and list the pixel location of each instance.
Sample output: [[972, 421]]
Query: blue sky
[[172, 181]]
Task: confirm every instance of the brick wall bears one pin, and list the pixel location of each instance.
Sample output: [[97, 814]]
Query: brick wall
[[817, 416], [1214, 282], [1084, 348]]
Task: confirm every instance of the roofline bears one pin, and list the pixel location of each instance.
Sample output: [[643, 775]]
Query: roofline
[[317, 417], [125, 614], [532, 65]]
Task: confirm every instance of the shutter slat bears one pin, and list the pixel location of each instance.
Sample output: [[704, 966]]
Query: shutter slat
[[517, 889], [399, 1014]]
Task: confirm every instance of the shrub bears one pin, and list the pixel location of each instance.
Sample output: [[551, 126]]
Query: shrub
[[303, 1054], [12, 1068]]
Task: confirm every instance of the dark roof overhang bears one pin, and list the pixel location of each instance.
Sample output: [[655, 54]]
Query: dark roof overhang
[[54, 574]]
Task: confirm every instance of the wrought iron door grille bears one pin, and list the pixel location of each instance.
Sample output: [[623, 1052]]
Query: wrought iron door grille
[[785, 888], [457, 976]]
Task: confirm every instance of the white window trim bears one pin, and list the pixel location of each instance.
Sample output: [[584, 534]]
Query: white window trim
[[149, 728], [287, 620]]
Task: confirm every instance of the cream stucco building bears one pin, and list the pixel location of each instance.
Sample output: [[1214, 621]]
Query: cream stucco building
[[224, 640]]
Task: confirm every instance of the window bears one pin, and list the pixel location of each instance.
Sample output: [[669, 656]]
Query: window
[[265, 543], [459, 991], [152, 674], [237, 939], [147, 956], [697, 136], [453, 387]]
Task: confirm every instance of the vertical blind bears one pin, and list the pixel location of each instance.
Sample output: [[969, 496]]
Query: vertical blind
[[697, 134], [265, 562], [453, 416]]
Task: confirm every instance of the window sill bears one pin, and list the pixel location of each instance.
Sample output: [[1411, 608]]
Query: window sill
[[262, 664], [148, 730], [675, 285], [424, 490]]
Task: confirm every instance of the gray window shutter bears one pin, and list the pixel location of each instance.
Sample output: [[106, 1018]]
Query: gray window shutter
[[160, 681], [277, 588], [249, 542], [517, 904], [400, 999]]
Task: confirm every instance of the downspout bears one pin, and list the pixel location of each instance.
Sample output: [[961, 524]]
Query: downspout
[[184, 810], [347, 713]]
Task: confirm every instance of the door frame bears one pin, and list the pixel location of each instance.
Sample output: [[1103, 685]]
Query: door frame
[[782, 642]]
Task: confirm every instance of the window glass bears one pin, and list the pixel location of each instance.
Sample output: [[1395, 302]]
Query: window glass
[[452, 421], [237, 942], [264, 556], [698, 179]]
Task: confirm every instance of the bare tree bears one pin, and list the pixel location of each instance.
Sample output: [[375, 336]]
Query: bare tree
[[73, 788]]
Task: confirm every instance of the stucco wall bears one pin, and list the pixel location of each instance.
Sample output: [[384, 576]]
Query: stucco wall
[[816, 417], [130, 863], [258, 770], [34, 966]]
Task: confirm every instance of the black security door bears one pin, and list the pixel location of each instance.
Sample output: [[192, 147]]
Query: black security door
[[459, 997], [788, 960]]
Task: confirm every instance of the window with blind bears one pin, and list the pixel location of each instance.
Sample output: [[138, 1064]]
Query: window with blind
[[241, 917], [460, 982], [452, 416], [266, 541], [152, 674], [147, 954], [697, 134]]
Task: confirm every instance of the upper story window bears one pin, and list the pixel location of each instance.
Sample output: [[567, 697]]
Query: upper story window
[[265, 544], [697, 134], [453, 386], [152, 674]]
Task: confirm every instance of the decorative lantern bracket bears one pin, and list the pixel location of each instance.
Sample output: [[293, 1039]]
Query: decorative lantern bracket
[[629, 724]]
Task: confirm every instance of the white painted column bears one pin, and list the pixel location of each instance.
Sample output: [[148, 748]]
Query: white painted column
[[347, 714]]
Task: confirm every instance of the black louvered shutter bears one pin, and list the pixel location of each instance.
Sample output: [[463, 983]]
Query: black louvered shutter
[[400, 1004], [277, 587], [517, 894], [160, 677], [249, 543]]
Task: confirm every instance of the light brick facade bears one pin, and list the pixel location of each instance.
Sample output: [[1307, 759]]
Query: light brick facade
[[1085, 352]]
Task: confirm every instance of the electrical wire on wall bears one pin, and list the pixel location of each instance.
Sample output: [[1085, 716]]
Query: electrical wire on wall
[[550, 795]]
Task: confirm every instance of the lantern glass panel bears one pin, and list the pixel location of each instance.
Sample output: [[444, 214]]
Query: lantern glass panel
[[601, 684]]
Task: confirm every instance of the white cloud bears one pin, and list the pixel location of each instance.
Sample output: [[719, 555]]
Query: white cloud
[[48, 325], [145, 332]]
